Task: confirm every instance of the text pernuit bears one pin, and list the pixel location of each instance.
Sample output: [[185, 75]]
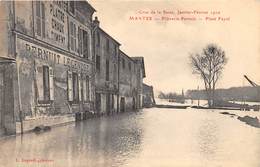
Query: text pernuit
[[56, 58]]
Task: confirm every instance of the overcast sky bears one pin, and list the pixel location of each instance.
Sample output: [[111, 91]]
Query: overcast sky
[[166, 45]]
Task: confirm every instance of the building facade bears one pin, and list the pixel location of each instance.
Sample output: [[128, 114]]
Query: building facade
[[148, 96], [106, 74], [131, 74], [57, 65], [46, 64]]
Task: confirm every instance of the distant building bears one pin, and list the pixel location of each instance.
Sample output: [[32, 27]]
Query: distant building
[[46, 64], [148, 96], [106, 51], [129, 79]]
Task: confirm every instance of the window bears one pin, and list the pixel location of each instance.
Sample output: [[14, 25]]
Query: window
[[40, 19], [86, 89], [83, 42], [98, 63], [123, 63], [72, 7], [115, 50], [72, 28], [107, 45], [115, 73], [98, 39], [107, 70], [129, 66], [75, 87], [46, 83], [48, 91], [70, 83]]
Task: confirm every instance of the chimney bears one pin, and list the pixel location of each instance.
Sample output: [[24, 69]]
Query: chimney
[[96, 22]]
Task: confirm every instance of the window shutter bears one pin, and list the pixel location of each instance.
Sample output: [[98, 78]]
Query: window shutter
[[51, 75], [70, 92], [39, 82], [79, 78], [89, 95], [84, 89], [80, 40], [43, 19]]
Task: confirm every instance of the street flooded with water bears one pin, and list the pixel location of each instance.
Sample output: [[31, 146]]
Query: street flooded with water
[[148, 138]]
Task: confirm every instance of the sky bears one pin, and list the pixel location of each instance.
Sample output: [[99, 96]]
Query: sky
[[166, 45]]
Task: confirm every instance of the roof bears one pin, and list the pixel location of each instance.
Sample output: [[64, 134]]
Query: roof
[[126, 55], [103, 31]]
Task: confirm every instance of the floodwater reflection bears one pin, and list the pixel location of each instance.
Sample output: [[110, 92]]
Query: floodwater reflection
[[149, 138]]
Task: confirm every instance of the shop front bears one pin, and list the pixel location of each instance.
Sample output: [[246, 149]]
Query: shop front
[[54, 85]]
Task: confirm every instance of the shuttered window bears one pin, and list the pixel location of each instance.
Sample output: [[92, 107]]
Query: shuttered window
[[83, 43], [98, 39], [40, 19], [86, 89], [75, 87], [70, 92], [72, 35], [46, 83], [51, 82], [79, 87], [98, 63], [107, 70]]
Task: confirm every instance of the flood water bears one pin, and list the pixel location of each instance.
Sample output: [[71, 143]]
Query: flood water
[[149, 138]]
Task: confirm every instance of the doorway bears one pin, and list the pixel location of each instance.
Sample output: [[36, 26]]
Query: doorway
[[98, 102], [122, 104]]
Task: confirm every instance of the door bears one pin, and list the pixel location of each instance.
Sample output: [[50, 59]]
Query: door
[[134, 107], [108, 106], [122, 104], [98, 102]]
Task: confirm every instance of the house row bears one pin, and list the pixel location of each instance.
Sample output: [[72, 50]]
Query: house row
[[57, 64]]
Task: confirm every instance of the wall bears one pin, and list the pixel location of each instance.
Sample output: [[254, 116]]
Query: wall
[[103, 86]]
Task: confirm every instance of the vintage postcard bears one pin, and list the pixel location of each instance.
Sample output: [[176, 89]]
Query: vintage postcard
[[130, 83]]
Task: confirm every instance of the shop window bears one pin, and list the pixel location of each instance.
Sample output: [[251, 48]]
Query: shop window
[[107, 70], [98, 63], [40, 19], [72, 35]]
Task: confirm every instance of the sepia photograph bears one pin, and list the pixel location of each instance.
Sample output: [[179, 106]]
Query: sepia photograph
[[130, 83]]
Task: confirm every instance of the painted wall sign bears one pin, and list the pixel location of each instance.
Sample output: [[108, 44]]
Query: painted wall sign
[[51, 56]]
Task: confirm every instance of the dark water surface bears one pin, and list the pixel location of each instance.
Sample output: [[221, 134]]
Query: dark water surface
[[149, 138]]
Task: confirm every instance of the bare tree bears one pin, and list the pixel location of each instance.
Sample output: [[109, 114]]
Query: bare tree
[[209, 65]]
